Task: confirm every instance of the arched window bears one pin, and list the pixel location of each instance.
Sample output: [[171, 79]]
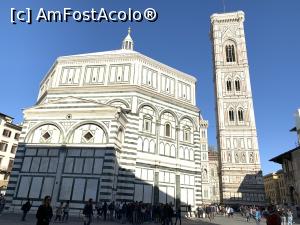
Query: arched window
[[230, 53], [147, 124], [241, 115], [168, 130], [237, 85], [187, 134], [229, 85], [140, 144], [146, 146], [231, 115]]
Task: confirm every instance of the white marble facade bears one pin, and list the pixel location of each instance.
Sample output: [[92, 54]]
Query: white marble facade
[[236, 129], [113, 125]]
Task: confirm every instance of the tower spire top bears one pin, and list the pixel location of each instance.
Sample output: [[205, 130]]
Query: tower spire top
[[127, 43]]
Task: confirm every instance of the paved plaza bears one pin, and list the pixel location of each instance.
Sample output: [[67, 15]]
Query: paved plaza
[[15, 219]]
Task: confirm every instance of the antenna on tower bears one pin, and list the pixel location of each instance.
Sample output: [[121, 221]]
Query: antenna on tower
[[224, 6]]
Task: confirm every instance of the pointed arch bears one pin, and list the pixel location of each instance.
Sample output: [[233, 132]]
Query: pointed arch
[[231, 115], [237, 84], [240, 114], [230, 51]]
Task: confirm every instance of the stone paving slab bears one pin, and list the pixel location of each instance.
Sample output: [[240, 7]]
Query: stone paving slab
[[15, 219]]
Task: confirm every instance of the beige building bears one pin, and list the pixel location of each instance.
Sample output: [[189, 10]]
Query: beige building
[[240, 169], [275, 188], [9, 136], [291, 169]]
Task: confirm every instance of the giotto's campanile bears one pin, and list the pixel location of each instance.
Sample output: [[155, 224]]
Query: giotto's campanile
[[240, 171]]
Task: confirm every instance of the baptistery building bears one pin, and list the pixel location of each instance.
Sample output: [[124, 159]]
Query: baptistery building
[[112, 126]]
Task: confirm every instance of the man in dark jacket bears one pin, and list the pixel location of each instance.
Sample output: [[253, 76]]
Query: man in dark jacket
[[88, 212], [178, 215], [104, 210], [25, 208], [273, 218], [44, 212]]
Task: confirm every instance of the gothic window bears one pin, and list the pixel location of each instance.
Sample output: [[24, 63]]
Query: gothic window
[[229, 85], [237, 85], [241, 115], [147, 124], [230, 53], [168, 130], [231, 115]]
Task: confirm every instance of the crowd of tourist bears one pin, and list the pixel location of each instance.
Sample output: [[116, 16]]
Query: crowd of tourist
[[273, 215], [138, 212]]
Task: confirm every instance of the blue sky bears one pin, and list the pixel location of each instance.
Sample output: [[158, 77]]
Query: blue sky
[[178, 38]]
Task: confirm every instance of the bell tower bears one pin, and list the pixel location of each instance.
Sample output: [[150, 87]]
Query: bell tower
[[241, 178]]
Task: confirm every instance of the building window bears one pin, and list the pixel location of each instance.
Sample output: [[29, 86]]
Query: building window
[[237, 85], [228, 85], [187, 134], [241, 115], [203, 134], [147, 124], [231, 115], [10, 165], [13, 149], [3, 146], [6, 133], [168, 130], [230, 53], [17, 136]]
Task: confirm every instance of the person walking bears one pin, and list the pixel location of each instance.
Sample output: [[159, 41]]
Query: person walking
[[88, 212], [289, 217], [59, 212], [178, 215], [25, 208], [123, 212], [104, 210], [44, 212], [189, 209], [273, 218], [98, 208], [257, 216], [247, 213], [66, 210]]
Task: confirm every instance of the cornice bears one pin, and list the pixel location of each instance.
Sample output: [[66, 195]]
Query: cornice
[[121, 88]]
